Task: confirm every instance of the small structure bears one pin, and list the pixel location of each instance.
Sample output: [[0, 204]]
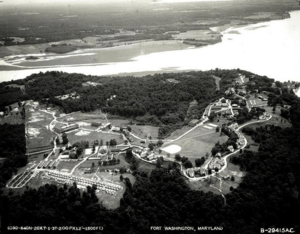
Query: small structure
[[230, 148], [61, 129], [115, 150], [226, 177], [116, 129], [190, 172], [90, 83], [96, 124], [193, 122], [230, 91], [107, 125]]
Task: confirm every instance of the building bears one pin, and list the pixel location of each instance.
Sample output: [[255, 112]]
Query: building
[[61, 129], [193, 122], [230, 148], [95, 124], [115, 150], [116, 129], [107, 125], [230, 91], [190, 172]]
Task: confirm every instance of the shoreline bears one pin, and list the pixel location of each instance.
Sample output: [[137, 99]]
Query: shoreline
[[140, 65], [92, 42]]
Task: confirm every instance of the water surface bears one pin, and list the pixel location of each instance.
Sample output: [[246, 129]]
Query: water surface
[[270, 48]]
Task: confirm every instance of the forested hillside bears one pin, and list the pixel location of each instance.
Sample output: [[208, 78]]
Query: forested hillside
[[268, 195], [12, 148], [160, 100]]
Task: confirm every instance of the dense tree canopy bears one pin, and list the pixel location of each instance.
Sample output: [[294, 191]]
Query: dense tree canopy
[[268, 195]]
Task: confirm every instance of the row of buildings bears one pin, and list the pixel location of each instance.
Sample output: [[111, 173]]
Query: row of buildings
[[66, 128]]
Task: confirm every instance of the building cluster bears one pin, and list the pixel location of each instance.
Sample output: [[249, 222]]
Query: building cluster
[[73, 95], [240, 141], [264, 116], [222, 103], [216, 162], [195, 171], [66, 154], [51, 164], [109, 188], [241, 79], [146, 154], [91, 84], [66, 128]]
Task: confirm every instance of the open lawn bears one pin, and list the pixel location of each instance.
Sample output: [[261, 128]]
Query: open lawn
[[232, 170], [37, 128], [148, 167], [79, 116], [118, 122], [178, 132], [88, 164], [107, 200], [36, 158], [253, 145], [67, 165], [276, 117], [205, 185], [143, 131], [198, 142]]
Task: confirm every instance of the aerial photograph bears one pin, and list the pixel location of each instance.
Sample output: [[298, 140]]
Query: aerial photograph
[[149, 116]]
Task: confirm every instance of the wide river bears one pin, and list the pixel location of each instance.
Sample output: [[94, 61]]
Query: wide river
[[270, 48]]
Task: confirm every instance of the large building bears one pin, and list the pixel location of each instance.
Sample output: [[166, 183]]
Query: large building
[[61, 129]]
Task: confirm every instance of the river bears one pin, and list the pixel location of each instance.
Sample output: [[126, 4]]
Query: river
[[269, 48]]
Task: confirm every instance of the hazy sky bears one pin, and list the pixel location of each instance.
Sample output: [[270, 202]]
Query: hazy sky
[[40, 2]]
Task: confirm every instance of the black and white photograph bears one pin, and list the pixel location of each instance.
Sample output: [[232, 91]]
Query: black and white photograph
[[149, 116]]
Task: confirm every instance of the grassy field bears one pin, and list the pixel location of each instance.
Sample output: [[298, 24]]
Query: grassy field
[[79, 116], [37, 132], [232, 170], [148, 167], [253, 146], [198, 142], [88, 164], [205, 185], [178, 132], [118, 122], [142, 131], [107, 200], [67, 165]]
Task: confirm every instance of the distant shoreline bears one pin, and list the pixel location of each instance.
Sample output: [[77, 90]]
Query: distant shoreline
[[92, 42]]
